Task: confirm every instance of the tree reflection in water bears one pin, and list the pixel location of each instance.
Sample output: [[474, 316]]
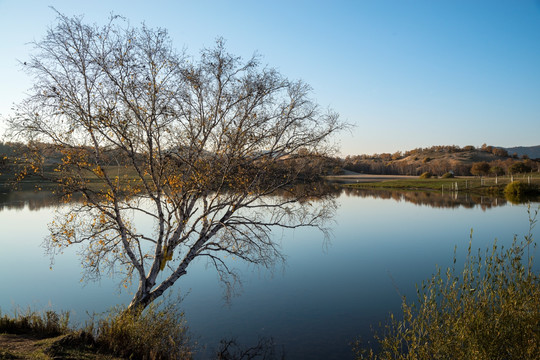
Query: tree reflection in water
[[36, 199]]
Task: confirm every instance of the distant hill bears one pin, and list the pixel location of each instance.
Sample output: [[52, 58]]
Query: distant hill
[[532, 152], [437, 160]]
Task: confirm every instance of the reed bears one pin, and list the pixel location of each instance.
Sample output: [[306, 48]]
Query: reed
[[488, 310]]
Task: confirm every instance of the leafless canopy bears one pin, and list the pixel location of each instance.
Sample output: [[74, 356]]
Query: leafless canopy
[[209, 149]]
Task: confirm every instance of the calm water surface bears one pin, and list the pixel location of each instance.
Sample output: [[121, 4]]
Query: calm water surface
[[326, 295]]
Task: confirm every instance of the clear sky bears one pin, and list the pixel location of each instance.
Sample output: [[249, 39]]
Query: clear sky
[[406, 73]]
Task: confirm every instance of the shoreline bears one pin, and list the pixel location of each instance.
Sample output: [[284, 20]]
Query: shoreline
[[366, 178]]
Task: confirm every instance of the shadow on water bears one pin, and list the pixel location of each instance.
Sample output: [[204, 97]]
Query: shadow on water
[[265, 348]]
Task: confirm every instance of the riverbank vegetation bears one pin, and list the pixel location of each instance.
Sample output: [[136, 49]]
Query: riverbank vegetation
[[158, 332], [488, 310]]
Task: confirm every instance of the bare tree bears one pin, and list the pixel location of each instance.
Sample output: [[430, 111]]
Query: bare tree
[[208, 149]]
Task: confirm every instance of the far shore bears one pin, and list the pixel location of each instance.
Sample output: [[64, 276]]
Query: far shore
[[367, 178]]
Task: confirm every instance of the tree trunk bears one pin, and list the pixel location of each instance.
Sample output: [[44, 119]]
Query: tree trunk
[[140, 301]]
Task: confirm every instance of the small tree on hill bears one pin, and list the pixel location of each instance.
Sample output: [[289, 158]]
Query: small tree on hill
[[480, 168], [200, 148], [500, 152], [496, 170], [519, 168]]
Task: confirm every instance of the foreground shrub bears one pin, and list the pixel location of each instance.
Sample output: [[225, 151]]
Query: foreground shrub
[[155, 333], [518, 192], [46, 323], [491, 310], [426, 175], [518, 188]]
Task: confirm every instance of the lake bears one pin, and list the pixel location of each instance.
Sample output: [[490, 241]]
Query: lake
[[313, 307]]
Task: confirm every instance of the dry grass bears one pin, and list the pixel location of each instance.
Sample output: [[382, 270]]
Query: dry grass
[[47, 323], [157, 332]]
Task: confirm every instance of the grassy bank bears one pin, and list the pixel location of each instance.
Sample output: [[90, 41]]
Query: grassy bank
[[12, 175], [473, 185], [44, 336], [156, 333]]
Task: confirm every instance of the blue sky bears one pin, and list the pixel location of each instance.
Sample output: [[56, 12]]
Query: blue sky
[[406, 73]]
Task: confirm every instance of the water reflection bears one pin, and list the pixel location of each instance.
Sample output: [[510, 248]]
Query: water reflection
[[37, 199], [521, 198], [326, 296], [432, 199], [31, 199]]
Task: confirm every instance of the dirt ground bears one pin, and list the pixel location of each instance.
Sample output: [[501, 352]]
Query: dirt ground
[[63, 347], [16, 344], [19, 346]]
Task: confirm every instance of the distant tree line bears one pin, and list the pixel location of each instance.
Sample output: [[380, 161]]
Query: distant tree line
[[412, 162], [508, 167]]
